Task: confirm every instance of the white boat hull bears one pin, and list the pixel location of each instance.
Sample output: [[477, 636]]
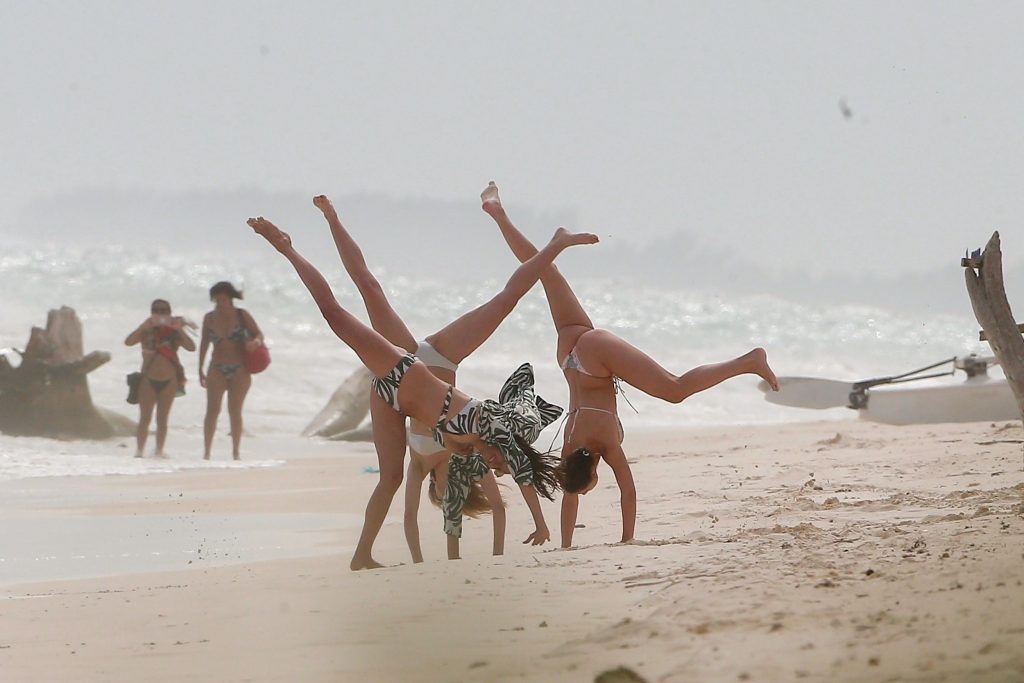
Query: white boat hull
[[976, 400]]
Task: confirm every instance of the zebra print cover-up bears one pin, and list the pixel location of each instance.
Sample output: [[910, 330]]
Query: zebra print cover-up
[[517, 412]]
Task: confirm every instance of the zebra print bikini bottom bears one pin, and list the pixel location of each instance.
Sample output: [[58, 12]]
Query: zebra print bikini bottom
[[387, 387]]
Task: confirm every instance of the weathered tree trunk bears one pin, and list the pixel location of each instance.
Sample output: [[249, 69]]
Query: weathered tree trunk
[[347, 408], [48, 393], [988, 299]]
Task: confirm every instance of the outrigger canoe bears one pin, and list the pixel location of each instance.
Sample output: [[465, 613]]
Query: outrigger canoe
[[884, 399]]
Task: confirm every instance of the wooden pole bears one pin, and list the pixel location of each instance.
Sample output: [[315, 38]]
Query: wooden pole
[[988, 299]]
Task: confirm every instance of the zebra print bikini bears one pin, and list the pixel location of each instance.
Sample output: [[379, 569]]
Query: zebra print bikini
[[517, 412], [387, 386]]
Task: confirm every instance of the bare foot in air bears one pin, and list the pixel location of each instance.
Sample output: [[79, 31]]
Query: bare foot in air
[[490, 201], [324, 204], [270, 232], [564, 238], [358, 564], [760, 367]]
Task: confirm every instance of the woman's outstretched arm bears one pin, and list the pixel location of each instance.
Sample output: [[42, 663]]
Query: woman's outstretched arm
[[616, 459], [540, 533], [570, 509], [489, 485], [377, 354]]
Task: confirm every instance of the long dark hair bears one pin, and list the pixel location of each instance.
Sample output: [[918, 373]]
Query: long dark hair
[[577, 470], [544, 466]]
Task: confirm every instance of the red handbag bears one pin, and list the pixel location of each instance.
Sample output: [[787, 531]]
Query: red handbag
[[257, 360]]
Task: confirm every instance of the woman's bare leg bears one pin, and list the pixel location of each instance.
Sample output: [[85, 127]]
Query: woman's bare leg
[[489, 485], [216, 385], [378, 354], [463, 336], [382, 316], [389, 440], [414, 477], [615, 356], [238, 387], [566, 310], [164, 401], [147, 400]]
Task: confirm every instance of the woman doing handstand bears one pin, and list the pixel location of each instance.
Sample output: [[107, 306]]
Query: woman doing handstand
[[592, 361]]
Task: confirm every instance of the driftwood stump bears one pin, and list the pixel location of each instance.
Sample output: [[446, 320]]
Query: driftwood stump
[[346, 409], [48, 393], [984, 276]]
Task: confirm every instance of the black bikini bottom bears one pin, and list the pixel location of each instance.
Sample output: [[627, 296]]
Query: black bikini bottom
[[158, 384]]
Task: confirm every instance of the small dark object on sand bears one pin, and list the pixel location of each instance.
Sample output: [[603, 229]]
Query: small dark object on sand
[[620, 675]]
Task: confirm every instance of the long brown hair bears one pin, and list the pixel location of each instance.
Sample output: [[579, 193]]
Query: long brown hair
[[476, 502]]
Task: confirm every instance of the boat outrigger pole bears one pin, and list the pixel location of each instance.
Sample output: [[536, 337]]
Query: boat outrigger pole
[[859, 397]]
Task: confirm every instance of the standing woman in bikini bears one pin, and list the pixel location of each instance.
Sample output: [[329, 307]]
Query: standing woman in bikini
[[500, 431], [162, 374], [593, 360], [232, 331], [441, 353]]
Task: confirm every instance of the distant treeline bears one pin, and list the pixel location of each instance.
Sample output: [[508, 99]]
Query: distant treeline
[[420, 235]]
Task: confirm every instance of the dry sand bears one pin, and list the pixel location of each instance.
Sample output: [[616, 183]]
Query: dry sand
[[838, 551]]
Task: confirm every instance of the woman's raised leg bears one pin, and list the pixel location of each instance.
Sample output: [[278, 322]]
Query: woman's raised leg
[[463, 336], [382, 316], [566, 311], [613, 356], [378, 354]]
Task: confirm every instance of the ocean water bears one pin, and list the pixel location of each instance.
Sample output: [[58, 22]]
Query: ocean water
[[111, 288]]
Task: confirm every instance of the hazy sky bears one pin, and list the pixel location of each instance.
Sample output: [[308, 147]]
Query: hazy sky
[[722, 119]]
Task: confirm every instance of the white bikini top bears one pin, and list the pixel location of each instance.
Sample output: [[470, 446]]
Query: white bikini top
[[423, 444]]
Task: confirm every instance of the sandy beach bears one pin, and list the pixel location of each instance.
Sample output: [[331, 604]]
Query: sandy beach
[[838, 551]]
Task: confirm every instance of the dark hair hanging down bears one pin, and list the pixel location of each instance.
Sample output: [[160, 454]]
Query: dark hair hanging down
[[576, 471], [225, 287], [545, 469]]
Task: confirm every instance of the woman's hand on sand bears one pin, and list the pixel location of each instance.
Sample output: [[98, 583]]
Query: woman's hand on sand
[[538, 537], [202, 379]]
